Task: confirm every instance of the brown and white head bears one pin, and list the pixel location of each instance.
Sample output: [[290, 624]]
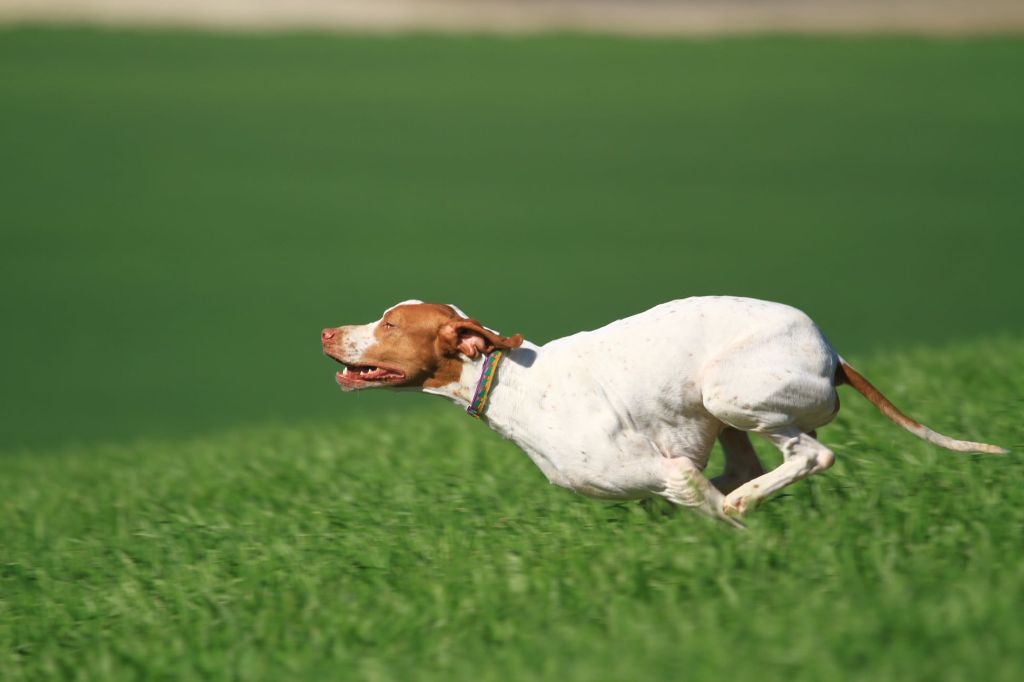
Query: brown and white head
[[413, 345]]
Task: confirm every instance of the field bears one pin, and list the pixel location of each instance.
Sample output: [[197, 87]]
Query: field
[[185, 494], [424, 547]]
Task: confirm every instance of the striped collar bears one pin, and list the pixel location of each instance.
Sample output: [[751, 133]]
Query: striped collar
[[483, 387]]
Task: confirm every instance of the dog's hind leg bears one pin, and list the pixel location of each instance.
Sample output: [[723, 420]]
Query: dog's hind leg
[[803, 456], [741, 462]]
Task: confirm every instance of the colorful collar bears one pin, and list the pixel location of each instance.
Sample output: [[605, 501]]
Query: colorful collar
[[483, 387]]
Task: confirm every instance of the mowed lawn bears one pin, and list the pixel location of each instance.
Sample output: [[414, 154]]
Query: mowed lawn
[[421, 546]]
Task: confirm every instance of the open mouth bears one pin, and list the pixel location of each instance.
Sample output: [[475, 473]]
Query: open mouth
[[359, 376]]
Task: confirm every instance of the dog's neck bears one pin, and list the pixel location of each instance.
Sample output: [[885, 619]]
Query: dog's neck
[[509, 392]]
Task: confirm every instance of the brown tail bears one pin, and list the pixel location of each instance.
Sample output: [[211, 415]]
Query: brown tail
[[848, 375]]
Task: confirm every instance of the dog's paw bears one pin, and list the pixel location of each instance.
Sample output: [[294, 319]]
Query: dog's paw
[[735, 507]]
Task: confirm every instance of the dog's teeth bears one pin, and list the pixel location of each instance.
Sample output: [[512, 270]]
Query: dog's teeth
[[344, 371]]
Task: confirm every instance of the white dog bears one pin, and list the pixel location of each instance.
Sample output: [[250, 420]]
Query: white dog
[[633, 409]]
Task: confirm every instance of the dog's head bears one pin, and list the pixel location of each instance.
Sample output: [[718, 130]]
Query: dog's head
[[413, 345]]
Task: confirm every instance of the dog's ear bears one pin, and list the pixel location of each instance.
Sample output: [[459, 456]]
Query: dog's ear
[[471, 338]]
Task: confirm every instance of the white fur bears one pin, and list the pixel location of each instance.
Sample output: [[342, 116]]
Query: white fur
[[358, 338], [634, 408]]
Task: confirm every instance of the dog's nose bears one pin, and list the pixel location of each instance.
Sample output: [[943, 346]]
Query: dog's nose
[[327, 334]]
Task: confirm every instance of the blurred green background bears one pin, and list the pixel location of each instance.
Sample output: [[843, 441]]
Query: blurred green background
[[182, 213]]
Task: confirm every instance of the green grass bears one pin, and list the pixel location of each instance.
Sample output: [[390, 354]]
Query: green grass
[[422, 546], [182, 213]]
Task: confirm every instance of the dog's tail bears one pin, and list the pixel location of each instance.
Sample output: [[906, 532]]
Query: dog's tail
[[848, 375]]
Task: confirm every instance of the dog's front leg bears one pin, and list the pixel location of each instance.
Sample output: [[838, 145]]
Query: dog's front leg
[[687, 486]]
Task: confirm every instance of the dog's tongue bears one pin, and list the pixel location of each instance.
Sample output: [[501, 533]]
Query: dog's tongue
[[376, 373]]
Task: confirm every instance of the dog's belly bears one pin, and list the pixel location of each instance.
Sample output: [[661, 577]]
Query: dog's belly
[[604, 494], [599, 473], [627, 464], [626, 483]]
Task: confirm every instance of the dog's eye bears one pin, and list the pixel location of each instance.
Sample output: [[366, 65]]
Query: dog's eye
[[388, 325]]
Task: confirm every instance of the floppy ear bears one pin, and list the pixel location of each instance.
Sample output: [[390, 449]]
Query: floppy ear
[[470, 338]]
